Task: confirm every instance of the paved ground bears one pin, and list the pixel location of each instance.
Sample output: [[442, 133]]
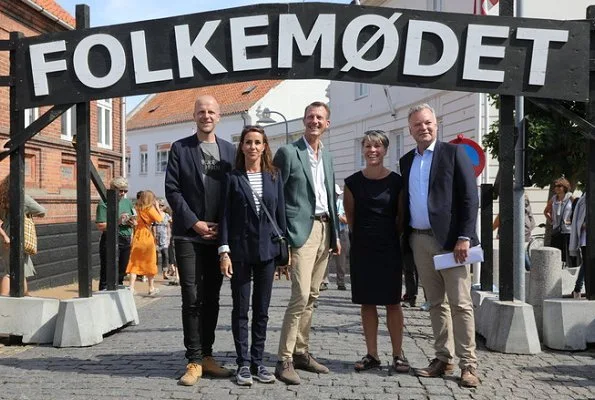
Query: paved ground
[[144, 362]]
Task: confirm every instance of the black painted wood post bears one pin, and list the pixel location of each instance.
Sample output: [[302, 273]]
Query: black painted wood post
[[17, 176], [506, 153], [590, 261], [111, 241], [487, 235], [83, 177]]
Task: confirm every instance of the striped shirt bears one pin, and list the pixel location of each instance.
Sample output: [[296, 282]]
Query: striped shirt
[[255, 179]]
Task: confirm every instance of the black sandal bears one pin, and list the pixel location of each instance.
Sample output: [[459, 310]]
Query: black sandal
[[366, 363], [400, 364]]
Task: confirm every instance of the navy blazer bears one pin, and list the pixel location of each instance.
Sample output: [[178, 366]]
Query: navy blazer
[[184, 187], [452, 197], [250, 235]]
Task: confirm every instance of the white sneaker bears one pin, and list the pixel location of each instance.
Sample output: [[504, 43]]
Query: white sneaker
[[244, 377]]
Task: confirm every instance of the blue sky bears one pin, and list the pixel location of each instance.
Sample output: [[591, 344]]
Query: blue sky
[[110, 12]]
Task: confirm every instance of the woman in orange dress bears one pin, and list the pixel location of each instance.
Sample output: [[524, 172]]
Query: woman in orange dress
[[143, 258]]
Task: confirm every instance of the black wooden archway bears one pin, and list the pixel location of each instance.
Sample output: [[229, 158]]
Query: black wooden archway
[[502, 55]]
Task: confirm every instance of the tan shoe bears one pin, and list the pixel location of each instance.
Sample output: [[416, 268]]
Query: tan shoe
[[212, 368], [285, 373], [435, 369], [469, 377], [308, 363], [192, 375]]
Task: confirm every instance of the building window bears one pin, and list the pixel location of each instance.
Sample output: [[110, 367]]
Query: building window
[[31, 114], [360, 161], [361, 90], [104, 123], [162, 154], [436, 5], [68, 123], [144, 162], [440, 128], [397, 144], [128, 165]]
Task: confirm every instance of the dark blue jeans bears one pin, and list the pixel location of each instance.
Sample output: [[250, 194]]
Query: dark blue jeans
[[580, 279], [262, 274], [200, 282], [123, 257]]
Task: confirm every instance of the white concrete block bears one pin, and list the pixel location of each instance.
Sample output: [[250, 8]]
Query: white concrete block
[[120, 309], [478, 297], [544, 280], [568, 324], [509, 327], [39, 324], [80, 322]]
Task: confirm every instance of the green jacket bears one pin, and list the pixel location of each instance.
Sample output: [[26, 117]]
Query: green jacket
[[300, 201]]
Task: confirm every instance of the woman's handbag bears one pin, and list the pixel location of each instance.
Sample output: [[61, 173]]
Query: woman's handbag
[[30, 243], [283, 258]]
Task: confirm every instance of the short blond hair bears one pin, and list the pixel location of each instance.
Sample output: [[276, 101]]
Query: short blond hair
[[119, 183]]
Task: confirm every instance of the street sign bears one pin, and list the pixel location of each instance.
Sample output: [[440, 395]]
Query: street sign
[[474, 151]]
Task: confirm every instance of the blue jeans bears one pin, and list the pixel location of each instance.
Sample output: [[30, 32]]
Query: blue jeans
[[200, 282], [580, 279], [263, 276]]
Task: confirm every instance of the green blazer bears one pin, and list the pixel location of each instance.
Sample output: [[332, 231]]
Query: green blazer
[[300, 201]]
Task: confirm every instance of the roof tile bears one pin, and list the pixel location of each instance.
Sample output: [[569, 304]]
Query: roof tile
[[178, 106], [54, 8]]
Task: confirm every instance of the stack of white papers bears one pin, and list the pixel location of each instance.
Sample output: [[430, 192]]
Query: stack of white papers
[[447, 260]]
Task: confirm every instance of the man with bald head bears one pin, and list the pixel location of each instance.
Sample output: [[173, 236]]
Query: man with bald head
[[196, 169]]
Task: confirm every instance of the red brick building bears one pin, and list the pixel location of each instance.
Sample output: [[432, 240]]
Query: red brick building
[[50, 166]]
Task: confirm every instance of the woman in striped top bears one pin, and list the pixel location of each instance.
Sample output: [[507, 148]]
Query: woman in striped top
[[247, 248]]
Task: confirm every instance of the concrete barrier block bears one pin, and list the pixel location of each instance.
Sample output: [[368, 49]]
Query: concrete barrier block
[[509, 327], [568, 324], [39, 324], [478, 297], [80, 322], [544, 280], [120, 309]]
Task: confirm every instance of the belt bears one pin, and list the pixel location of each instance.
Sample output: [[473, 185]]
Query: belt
[[321, 218], [423, 231]]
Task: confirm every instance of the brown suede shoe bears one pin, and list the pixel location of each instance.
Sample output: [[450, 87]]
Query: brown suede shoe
[[285, 373], [469, 377], [308, 363], [212, 368], [435, 369], [192, 375]]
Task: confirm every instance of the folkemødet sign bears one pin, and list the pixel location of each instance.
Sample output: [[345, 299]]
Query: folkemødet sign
[[515, 56]]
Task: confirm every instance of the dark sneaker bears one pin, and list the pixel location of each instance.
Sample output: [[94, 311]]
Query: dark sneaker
[[435, 369], [243, 376], [366, 363], [261, 374], [285, 373], [308, 363], [469, 377], [323, 286], [341, 287]]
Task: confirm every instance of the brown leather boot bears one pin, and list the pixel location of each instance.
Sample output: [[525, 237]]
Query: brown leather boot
[[285, 373], [212, 368], [308, 363], [469, 377], [435, 369]]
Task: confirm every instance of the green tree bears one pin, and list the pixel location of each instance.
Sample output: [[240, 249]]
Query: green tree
[[556, 146]]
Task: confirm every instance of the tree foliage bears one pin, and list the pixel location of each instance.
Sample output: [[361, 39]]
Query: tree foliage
[[555, 146]]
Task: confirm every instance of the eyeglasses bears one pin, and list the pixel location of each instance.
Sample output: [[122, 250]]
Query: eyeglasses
[[123, 191]]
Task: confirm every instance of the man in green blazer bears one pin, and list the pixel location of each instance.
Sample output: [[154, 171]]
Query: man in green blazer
[[309, 183]]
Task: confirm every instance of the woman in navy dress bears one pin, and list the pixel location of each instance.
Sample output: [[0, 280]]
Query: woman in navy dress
[[370, 199], [247, 247]]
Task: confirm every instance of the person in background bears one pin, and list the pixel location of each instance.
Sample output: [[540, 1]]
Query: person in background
[[371, 206], [162, 232], [558, 213], [578, 242], [247, 249], [126, 221], [31, 208], [340, 261], [143, 256], [194, 180]]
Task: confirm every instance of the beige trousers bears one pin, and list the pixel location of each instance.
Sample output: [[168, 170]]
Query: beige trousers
[[308, 264], [451, 308]]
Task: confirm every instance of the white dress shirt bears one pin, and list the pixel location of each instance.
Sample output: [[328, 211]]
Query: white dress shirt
[[419, 188], [317, 168]]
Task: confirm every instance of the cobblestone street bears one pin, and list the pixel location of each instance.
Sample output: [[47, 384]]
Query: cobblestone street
[[144, 361]]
